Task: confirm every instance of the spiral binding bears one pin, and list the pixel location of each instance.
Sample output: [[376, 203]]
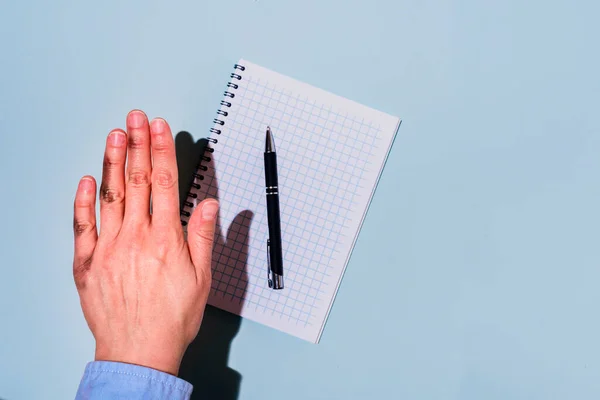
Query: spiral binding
[[219, 121]]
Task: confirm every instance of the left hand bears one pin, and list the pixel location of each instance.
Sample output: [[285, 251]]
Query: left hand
[[143, 288]]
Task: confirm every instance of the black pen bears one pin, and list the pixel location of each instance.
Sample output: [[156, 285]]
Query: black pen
[[274, 249]]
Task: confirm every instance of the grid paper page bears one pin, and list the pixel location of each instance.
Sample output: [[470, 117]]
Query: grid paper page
[[330, 154]]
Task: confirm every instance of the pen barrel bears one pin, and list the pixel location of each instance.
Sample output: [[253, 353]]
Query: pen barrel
[[275, 233], [271, 170], [273, 216]]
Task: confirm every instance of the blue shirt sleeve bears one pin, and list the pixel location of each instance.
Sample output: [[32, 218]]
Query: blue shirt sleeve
[[109, 380]]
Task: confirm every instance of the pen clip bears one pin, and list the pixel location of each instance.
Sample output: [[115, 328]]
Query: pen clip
[[269, 276]]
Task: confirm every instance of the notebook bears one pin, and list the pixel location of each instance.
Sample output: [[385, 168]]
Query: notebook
[[330, 154]]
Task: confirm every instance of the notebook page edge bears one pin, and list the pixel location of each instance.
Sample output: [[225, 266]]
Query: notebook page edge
[[360, 225], [261, 319], [345, 101]]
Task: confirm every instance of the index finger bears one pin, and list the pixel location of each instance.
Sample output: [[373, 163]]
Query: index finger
[[165, 191]]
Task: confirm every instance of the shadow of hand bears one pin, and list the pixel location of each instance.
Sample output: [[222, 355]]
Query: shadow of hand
[[205, 362]]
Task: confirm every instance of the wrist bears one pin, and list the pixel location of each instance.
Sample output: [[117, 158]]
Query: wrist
[[160, 358]]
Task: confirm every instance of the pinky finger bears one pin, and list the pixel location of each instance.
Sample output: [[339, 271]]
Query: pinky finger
[[84, 225]]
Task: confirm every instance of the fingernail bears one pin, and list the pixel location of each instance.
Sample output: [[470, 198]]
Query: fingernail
[[136, 119], [209, 210], [86, 184], [158, 125], [117, 138]]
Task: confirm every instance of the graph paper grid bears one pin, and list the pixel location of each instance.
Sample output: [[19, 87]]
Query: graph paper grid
[[330, 154]]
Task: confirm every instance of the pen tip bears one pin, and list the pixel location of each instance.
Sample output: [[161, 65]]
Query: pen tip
[[269, 145]]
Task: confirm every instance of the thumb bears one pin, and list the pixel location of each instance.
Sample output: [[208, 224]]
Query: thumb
[[201, 234]]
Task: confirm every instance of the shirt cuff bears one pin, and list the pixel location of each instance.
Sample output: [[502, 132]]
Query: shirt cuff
[[114, 380]]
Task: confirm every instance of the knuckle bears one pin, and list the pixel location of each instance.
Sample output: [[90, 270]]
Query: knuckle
[[205, 236], [80, 269], [160, 143], [109, 195], [204, 274], [166, 239], [109, 163], [138, 178], [82, 202], [136, 142], [80, 227], [164, 179], [107, 264], [162, 249]]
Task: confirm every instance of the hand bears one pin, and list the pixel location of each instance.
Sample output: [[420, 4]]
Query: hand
[[143, 288]]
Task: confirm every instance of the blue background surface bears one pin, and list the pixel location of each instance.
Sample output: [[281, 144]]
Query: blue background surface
[[476, 273]]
